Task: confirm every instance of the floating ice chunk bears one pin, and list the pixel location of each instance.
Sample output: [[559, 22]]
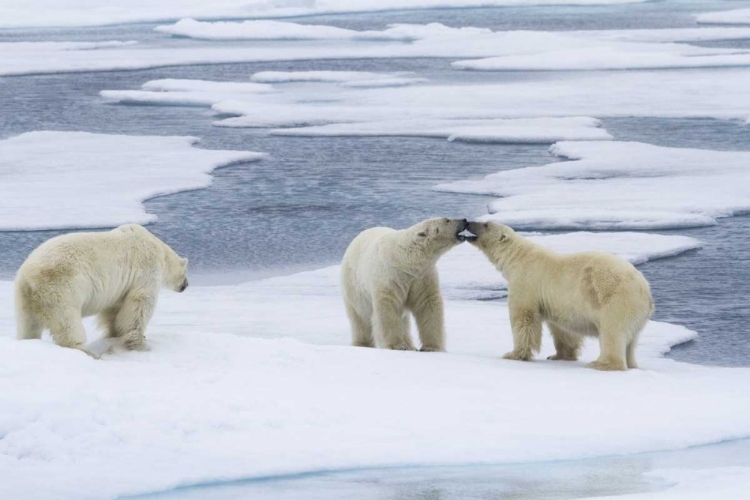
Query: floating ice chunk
[[269, 30], [638, 186], [395, 81], [51, 180], [315, 76], [528, 130], [185, 92], [737, 16]]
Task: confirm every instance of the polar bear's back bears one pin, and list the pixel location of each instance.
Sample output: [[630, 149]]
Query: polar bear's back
[[90, 263]]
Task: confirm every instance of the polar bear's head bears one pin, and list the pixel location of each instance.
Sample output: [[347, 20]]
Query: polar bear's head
[[437, 236], [493, 239], [175, 277]]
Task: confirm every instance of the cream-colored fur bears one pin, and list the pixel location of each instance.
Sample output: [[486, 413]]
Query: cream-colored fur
[[387, 273], [116, 275], [583, 294]]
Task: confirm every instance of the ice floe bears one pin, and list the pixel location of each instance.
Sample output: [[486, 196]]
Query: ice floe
[[40, 13], [618, 185], [205, 405], [522, 130], [620, 49], [186, 92], [737, 16], [51, 180]]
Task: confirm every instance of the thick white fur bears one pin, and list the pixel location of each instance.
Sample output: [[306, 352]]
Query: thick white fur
[[115, 274], [387, 273], [590, 293]]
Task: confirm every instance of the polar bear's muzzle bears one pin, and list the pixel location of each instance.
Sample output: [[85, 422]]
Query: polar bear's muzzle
[[461, 229], [183, 286], [471, 231]]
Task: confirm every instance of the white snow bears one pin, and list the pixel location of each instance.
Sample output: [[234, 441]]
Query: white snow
[[618, 185], [737, 16], [39, 13], [51, 180], [522, 130], [278, 397], [506, 50]]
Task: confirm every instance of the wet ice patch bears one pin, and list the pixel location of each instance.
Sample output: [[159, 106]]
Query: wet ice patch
[[53, 180], [618, 185], [737, 16]]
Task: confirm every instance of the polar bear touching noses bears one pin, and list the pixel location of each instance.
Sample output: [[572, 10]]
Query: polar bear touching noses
[[387, 273], [116, 275], [577, 295]]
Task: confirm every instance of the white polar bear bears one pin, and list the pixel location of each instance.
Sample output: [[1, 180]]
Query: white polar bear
[[115, 274], [577, 295], [387, 273]]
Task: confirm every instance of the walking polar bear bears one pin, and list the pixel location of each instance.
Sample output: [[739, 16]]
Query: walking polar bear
[[115, 274], [577, 295], [387, 273]]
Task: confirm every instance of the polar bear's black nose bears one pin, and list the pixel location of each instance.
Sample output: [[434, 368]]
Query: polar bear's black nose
[[466, 223], [184, 285]]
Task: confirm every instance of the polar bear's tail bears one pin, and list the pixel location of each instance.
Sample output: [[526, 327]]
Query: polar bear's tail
[[28, 325]]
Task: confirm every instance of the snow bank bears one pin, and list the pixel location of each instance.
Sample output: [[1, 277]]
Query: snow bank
[[38, 13], [506, 50], [637, 186], [737, 16], [51, 180], [529, 130], [204, 405]]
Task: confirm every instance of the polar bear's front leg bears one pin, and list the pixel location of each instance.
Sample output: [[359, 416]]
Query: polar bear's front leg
[[391, 323], [527, 332], [133, 317], [426, 303]]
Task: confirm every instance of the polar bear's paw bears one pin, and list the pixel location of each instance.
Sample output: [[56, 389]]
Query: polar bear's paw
[[608, 365], [136, 345], [563, 357], [518, 355], [428, 348], [402, 347]]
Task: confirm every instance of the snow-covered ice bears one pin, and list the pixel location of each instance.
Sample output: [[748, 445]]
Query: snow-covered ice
[[51, 180], [186, 92], [737, 16], [618, 185], [521, 130], [285, 395], [40, 13]]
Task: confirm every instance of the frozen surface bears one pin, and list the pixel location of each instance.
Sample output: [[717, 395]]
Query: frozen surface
[[186, 92], [54, 180], [529, 130], [617, 49], [38, 13], [737, 16], [619, 185], [205, 405]]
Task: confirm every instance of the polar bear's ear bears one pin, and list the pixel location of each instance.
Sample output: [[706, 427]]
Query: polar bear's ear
[[503, 236], [422, 234]]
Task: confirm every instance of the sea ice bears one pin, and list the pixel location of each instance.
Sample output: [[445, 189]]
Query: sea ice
[[637, 186], [52, 180], [204, 405]]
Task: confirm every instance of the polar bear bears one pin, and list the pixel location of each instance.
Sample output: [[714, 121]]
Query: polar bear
[[115, 274], [582, 294], [387, 273]]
